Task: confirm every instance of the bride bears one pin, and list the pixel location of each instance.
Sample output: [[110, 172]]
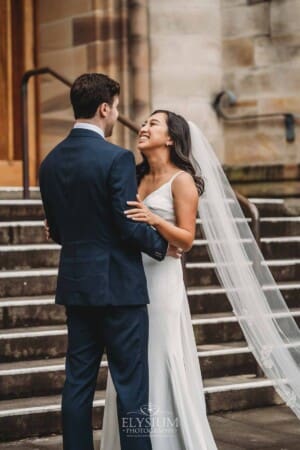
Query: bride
[[169, 184], [167, 199]]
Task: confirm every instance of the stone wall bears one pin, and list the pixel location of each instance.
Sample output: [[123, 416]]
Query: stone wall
[[178, 55], [261, 61], [75, 37], [186, 64]]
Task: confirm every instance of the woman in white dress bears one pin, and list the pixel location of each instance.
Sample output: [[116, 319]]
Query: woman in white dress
[[168, 200]]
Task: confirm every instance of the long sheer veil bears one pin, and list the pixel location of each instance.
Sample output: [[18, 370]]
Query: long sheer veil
[[267, 323]]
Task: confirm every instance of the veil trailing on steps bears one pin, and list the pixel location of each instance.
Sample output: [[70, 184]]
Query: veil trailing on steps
[[267, 323]]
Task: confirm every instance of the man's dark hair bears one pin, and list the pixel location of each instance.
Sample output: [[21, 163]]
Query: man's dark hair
[[89, 91]]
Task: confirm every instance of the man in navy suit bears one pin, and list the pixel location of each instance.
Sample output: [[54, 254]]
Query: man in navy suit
[[85, 183]]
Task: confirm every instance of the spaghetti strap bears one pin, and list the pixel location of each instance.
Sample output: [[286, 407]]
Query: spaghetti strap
[[174, 176]]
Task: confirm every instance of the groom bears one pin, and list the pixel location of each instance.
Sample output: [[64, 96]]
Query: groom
[[85, 182]]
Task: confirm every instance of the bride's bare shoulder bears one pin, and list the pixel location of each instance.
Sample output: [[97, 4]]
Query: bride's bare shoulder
[[183, 179], [184, 186]]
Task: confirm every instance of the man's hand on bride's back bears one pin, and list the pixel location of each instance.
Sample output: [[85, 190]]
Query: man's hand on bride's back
[[175, 252]]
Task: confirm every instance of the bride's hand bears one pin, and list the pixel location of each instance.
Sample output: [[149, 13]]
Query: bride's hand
[[141, 213]]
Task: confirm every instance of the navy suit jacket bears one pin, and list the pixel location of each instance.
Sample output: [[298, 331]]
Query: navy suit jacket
[[85, 182]]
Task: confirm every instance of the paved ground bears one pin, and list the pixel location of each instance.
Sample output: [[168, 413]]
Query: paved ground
[[274, 428]]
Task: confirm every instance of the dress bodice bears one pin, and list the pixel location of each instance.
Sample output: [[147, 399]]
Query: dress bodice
[[160, 201]]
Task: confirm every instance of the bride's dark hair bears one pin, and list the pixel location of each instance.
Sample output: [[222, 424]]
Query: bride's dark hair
[[180, 151]]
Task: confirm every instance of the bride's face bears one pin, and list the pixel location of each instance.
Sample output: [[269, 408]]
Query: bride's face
[[154, 133]]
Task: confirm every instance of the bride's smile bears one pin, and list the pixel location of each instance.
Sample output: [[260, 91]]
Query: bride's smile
[[154, 134]]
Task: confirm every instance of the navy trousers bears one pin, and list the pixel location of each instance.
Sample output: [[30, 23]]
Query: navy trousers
[[123, 332]]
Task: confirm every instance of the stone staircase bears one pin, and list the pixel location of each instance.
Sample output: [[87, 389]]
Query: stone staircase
[[33, 332]]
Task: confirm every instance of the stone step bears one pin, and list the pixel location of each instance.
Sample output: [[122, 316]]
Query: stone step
[[212, 299], [269, 226], [40, 416], [277, 207], [16, 193], [204, 274], [27, 256], [272, 248], [262, 173], [52, 442], [18, 344], [32, 232], [239, 392], [290, 188], [46, 377], [19, 312], [22, 232], [281, 247], [280, 226], [29, 343], [34, 378], [224, 327], [13, 210], [17, 283], [272, 427]]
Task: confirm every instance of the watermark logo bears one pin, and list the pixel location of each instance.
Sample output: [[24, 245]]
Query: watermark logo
[[149, 419]]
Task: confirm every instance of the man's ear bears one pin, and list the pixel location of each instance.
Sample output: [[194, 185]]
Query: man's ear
[[102, 110]]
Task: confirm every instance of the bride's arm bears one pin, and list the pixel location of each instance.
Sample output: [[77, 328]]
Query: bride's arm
[[185, 198]]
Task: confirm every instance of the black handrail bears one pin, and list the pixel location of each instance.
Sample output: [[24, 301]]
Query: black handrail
[[250, 207], [24, 96], [289, 118]]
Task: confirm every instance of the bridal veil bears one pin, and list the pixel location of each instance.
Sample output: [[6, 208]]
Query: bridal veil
[[267, 323]]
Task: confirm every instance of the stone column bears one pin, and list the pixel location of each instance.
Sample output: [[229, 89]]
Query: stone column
[[139, 63], [139, 59], [186, 61]]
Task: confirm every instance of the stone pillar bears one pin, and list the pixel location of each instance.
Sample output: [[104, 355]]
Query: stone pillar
[[186, 61], [139, 59], [139, 64]]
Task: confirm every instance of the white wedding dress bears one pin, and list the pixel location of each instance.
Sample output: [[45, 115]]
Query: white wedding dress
[[176, 392]]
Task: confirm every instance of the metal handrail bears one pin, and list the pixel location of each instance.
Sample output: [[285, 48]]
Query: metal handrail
[[253, 213], [289, 118], [250, 207], [24, 96]]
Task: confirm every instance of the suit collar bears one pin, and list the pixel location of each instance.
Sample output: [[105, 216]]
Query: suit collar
[[89, 126], [77, 132]]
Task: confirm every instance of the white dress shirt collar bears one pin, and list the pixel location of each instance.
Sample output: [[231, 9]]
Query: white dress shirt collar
[[89, 126]]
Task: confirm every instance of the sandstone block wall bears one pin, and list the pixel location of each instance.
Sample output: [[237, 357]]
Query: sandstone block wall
[[75, 37], [178, 55], [186, 64], [261, 63]]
